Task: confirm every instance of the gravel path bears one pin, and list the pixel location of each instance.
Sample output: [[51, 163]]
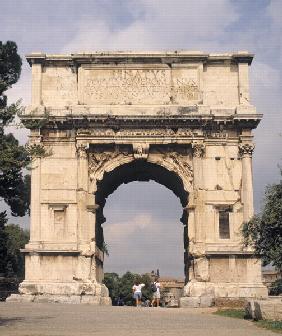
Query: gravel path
[[35, 319]]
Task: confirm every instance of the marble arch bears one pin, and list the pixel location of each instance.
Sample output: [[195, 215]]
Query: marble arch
[[185, 115]]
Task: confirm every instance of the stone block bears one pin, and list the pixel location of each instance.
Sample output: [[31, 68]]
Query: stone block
[[105, 301], [90, 299], [206, 301], [20, 298], [269, 309], [189, 302], [173, 303]]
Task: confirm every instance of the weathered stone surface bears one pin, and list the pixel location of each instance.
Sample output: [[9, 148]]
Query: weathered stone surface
[[173, 304], [207, 301], [196, 302], [269, 309], [189, 302], [20, 298], [181, 118]]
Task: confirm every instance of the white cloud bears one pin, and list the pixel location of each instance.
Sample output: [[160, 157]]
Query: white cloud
[[264, 76], [274, 10], [118, 232], [159, 24]]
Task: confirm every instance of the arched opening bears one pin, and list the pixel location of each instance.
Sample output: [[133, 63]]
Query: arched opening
[[142, 171]]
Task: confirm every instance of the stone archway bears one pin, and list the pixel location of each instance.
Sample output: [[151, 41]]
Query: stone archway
[[184, 114], [167, 172]]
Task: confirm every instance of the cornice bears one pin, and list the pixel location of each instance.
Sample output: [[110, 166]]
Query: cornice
[[169, 57], [114, 121]]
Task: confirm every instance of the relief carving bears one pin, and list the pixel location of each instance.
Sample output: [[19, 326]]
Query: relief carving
[[170, 157], [81, 150], [156, 132], [141, 150], [179, 159], [246, 149], [198, 150], [98, 159]]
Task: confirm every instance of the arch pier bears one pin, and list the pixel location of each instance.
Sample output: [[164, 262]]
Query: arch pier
[[182, 119]]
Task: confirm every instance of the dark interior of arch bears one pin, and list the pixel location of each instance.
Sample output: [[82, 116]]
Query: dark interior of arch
[[140, 170]]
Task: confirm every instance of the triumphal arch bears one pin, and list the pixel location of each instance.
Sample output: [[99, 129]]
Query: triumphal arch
[[183, 119]]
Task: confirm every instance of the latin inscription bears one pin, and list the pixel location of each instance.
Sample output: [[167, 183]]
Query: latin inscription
[[138, 86], [127, 86]]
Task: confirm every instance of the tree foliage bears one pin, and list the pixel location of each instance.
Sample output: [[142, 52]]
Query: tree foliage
[[121, 287], [16, 240], [14, 187], [264, 231]]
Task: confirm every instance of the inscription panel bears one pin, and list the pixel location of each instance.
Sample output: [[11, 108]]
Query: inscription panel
[[59, 86], [138, 85]]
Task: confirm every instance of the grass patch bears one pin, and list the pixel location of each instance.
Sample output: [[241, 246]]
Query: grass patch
[[275, 326], [235, 313]]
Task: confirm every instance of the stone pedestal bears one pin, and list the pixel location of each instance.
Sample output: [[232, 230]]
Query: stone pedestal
[[62, 292]]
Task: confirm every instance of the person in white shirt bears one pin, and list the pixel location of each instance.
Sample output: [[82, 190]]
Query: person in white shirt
[[156, 293], [137, 293]]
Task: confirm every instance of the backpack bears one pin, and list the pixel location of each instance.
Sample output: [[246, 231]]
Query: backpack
[[153, 287]]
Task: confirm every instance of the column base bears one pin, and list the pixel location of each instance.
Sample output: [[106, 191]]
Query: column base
[[225, 289], [62, 292], [206, 294], [196, 302]]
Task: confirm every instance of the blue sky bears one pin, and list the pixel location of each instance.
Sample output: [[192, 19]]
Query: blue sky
[[67, 26]]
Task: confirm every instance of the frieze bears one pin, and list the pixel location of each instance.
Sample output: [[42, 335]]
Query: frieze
[[108, 132], [216, 135]]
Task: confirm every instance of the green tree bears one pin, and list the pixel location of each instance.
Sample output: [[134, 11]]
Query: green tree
[[112, 281], [13, 157], [122, 287], [264, 231], [16, 240]]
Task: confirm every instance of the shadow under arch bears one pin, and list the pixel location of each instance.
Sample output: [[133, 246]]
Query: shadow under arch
[[140, 170]]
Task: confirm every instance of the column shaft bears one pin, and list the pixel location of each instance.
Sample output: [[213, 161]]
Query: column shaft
[[35, 226], [246, 151]]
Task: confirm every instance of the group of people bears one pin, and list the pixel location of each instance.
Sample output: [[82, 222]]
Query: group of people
[[137, 293]]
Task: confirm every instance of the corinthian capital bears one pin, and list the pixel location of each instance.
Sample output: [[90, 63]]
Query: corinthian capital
[[198, 150], [246, 149], [81, 150]]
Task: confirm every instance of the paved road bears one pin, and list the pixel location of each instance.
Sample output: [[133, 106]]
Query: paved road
[[35, 319]]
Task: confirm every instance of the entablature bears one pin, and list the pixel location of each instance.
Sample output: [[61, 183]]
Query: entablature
[[206, 121]]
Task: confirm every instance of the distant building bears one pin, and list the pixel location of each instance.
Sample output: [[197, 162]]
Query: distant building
[[171, 288], [269, 276]]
